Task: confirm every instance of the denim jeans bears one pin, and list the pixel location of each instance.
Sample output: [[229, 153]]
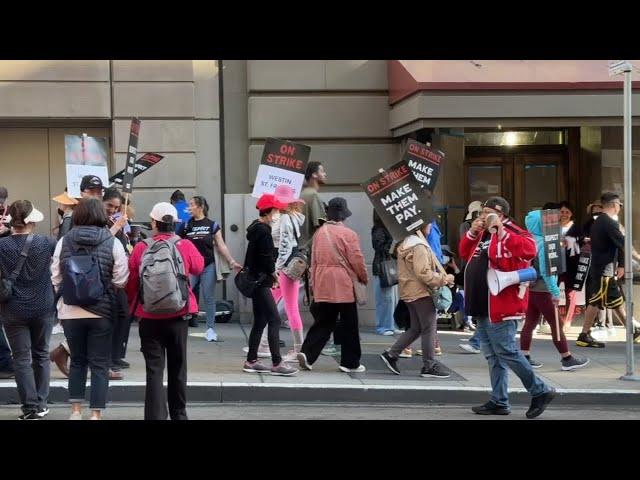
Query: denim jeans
[[6, 361], [474, 341], [29, 339], [498, 344], [90, 346], [205, 283], [384, 306]]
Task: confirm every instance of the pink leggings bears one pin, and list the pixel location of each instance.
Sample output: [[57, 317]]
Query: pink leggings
[[570, 305], [540, 303], [289, 289]]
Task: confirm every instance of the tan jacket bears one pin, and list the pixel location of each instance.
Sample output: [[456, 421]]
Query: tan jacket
[[417, 270]]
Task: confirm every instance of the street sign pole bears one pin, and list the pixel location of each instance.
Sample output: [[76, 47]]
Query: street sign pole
[[627, 68]]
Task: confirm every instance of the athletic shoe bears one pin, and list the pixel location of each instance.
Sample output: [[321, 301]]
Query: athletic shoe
[[437, 351], [398, 331], [291, 357], [304, 363], [539, 404], [388, 333], [76, 416], [261, 353], [283, 370], [573, 363], [115, 375], [211, 335], [57, 329], [121, 364], [43, 412], [533, 363], [468, 348], [331, 351], [491, 408], [255, 367], [470, 326], [193, 321], [32, 415], [406, 353], [436, 371], [390, 362], [586, 340], [359, 369]]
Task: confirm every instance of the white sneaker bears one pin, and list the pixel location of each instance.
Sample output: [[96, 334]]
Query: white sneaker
[[388, 333], [360, 369], [468, 348], [211, 335], [261, 354], [398, 332], [76, 416], [57, 329], [291, 357]]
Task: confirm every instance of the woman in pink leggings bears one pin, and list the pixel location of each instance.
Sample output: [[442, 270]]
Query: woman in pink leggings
[[543, 299], [291, 220]]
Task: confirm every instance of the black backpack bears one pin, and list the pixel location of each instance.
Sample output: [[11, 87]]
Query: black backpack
[[82, 283]]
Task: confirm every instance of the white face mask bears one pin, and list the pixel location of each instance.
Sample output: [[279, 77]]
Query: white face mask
[[615, 217], [275, 218]]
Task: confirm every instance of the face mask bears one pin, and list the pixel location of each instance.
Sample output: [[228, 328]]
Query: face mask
[[275, 218]]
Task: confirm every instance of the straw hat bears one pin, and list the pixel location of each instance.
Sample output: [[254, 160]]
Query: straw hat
[[64, 199]]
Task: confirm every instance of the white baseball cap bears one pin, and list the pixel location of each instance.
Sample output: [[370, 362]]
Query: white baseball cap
[[475, 206], [161, 210]]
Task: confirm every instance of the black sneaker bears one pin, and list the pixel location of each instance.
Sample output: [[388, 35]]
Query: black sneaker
[[533, 363], [491, 408], [390, 362], [43, 412], [586, 340], [573, 363], [193, 321], [32, 415], [436, 371], [540, 403], [121, 364]]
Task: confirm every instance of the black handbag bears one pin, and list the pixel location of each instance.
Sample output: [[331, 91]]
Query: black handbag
[[401, 316], [6, 284], [247, 284], [388, 273]]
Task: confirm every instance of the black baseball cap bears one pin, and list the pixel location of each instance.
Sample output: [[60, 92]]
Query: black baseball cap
[[499, 204], [609, 197], [90, 182]]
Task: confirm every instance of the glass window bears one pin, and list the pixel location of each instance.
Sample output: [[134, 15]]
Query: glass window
[[484, 181]]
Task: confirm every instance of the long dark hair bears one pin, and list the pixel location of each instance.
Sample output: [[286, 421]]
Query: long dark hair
[[377, 221], [202, 203]]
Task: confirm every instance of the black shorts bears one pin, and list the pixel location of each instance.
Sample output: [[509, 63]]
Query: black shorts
[[603, 292]]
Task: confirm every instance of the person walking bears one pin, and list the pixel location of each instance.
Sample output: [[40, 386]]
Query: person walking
[[206, 235], [261, 265], [386, 296], [571, 237], [420, 275], [161, 297], [27, 316], [544, 296], [86, 304], [494, 241], [336, 264]]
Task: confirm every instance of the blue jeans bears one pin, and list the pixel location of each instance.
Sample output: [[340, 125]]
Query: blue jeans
[[205, 283], [6, 361], [498, 344], [385, 304], [474, 341]]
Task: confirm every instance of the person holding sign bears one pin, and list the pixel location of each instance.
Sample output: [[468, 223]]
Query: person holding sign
[[543, 299], [607, 253], [495, 241], [571, 236], [420, 275]]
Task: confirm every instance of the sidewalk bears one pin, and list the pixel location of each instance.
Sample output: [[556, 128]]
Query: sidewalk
[[215, 374]]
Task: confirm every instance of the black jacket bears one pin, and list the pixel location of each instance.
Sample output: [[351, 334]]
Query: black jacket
[[607, 243], [381, 241], [260, 252]]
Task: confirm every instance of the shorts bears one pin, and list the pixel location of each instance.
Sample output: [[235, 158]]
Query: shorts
[[603, 292]]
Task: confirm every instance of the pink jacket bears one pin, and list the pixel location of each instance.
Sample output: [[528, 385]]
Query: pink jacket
[[193, 264], [331, 281]]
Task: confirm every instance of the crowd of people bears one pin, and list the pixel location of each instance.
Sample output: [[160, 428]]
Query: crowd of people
[[101, 273]]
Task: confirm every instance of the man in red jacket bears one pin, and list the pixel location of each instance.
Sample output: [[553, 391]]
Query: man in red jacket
[[164, 334], [510, 248]]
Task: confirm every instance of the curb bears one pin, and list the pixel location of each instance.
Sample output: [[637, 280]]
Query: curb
[[221, 392]]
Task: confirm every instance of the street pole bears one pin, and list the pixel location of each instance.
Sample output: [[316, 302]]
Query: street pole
[[628, 223]]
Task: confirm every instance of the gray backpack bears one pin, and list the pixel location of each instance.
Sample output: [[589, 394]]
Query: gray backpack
[[164, 284]]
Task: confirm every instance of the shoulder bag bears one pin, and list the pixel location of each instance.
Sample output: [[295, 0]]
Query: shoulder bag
[[6, 284], [359, 288]]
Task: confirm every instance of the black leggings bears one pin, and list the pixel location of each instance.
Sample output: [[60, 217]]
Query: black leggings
[[265, 313]]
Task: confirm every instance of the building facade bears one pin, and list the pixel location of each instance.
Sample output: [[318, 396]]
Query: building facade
[[532, 131]]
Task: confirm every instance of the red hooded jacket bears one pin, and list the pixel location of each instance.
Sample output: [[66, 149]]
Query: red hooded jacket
[[513, 251]]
